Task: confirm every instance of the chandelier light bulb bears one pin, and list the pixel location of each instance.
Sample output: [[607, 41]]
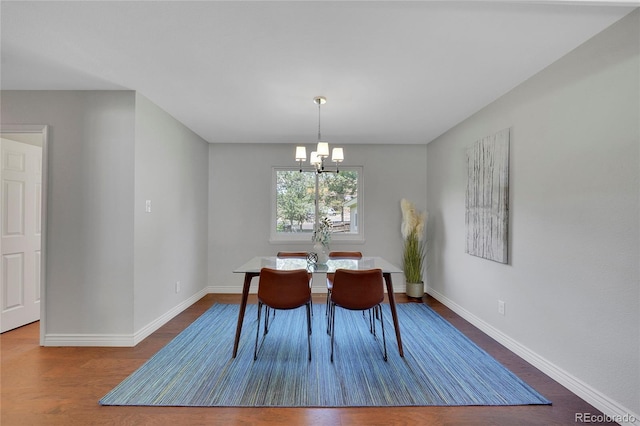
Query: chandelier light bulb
[[337, 155], [301, 153], [323, 149], [314, 159]]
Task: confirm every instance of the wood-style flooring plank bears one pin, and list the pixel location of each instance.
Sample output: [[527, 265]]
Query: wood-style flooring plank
[[62, 386]]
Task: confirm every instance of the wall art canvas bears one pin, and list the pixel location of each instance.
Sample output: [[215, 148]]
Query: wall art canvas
[[487, 201]]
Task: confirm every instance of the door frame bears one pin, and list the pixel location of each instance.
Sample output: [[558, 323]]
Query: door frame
[[44, 130]]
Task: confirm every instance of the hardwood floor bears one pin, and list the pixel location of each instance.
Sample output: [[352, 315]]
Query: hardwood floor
[[62, 386]]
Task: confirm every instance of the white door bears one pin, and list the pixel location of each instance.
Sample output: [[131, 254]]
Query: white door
[[21, 224]]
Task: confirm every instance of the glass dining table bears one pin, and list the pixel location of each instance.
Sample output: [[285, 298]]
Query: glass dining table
[[252, 268]]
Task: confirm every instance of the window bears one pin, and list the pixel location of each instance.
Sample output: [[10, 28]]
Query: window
[[301, 199]]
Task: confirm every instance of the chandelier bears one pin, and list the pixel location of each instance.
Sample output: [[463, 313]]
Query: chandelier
[[317, 157]]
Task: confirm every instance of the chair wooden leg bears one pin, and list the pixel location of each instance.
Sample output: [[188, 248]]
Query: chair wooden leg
[[269, 313], [384, 341], [330, 308], [326, 309], [332, 315], [332, 312], [309, 307], [255, 350], [372, 319]]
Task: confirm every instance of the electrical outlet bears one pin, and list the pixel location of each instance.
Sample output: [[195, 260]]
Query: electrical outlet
[[501, 307], [178, 286], [147, 206]]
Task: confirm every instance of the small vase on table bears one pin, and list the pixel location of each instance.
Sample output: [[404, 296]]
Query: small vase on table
[[320, 249]]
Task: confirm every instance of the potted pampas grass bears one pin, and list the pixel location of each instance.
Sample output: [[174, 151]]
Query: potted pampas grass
[[413, 223]]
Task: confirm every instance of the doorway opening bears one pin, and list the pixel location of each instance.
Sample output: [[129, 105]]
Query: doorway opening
[[23, 195]]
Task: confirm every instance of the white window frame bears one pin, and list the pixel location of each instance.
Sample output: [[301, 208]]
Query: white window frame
[[292, 237]]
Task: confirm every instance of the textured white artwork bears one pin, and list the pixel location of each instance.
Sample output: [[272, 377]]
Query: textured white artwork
[[487, 203]]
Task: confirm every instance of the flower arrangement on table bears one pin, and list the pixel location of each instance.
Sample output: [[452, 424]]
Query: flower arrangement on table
[[322, 233], [413, 223]]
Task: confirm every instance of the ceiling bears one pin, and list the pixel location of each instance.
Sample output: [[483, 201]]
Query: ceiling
[[247, 72]]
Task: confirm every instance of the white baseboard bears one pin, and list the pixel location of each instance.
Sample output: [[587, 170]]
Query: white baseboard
[[147, 330], [231, 289], [107, 340], [121, 340], [609, 407]]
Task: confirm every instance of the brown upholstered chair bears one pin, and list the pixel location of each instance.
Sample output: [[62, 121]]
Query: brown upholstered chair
[[345, 255], [338, 255], [283, 290], [358, 290], [300, 255]]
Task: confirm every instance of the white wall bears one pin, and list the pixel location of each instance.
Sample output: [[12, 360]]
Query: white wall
[[111, 268], [171, 170], [572, 285], [89, 252], [240, 202]]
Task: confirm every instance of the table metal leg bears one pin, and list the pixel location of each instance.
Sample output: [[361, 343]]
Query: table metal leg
[[394, 313], [243, 306]]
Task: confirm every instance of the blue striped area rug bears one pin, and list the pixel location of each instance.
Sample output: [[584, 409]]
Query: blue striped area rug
[[441, 366]]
